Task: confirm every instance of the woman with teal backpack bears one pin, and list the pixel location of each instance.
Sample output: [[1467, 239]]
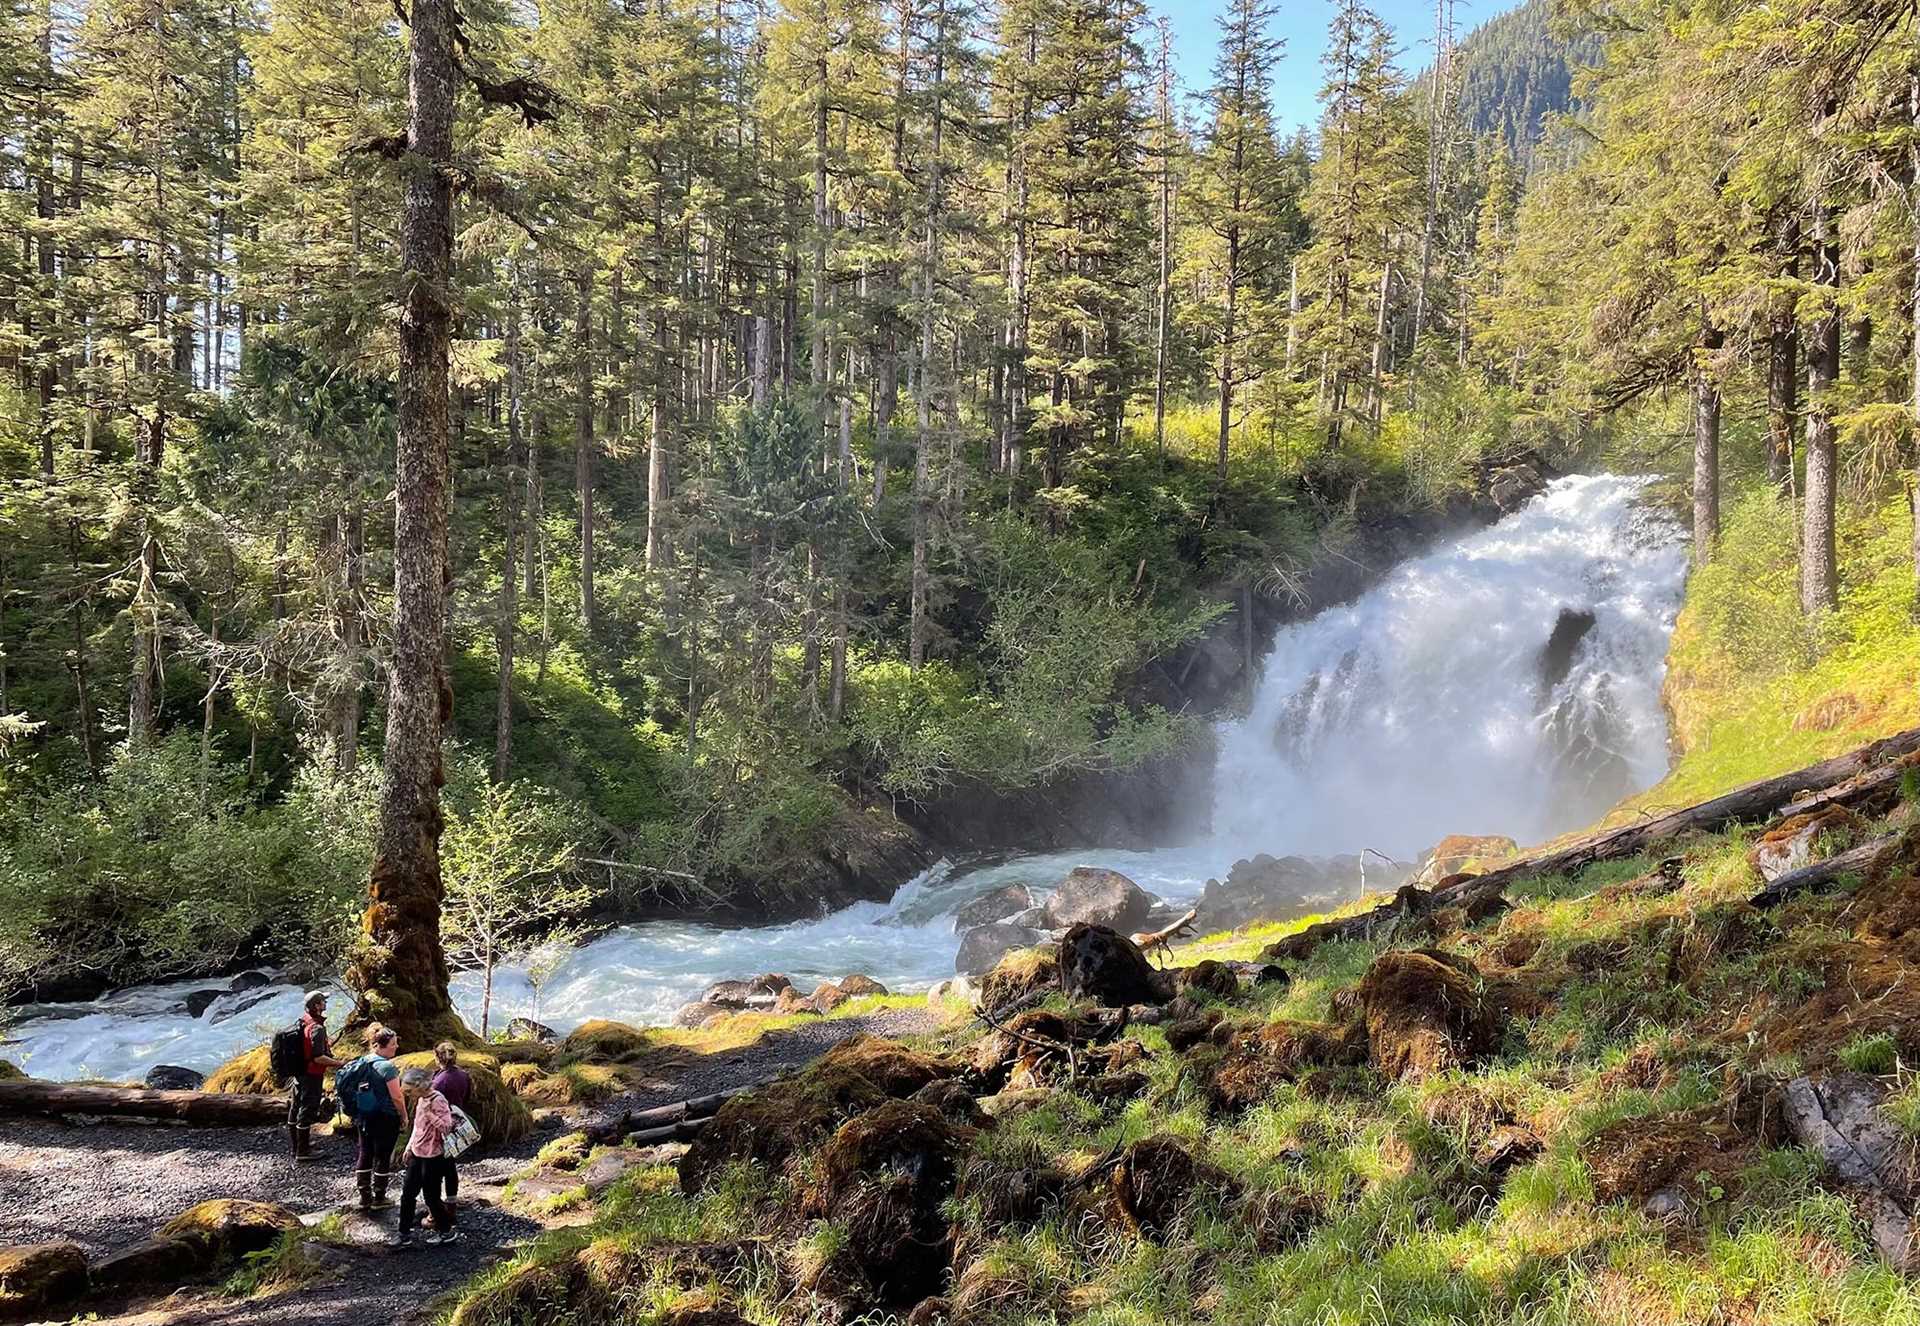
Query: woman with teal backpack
[[370, 1095]]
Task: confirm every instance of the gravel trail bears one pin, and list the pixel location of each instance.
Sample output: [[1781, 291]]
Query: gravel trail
[[110, 1184]]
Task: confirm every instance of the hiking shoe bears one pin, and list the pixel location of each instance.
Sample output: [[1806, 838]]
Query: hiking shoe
[[378, 1204], [451, 1236], [406, 1240]]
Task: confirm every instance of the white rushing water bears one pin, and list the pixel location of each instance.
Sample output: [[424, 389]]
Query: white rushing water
[[1419, 710]]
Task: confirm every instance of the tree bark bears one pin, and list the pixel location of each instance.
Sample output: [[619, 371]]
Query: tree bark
[[505, 629], [583, 438], [923, 440], [1819, 580], [1706, 447], [1163, 302], [400, 969], [1783, 368]]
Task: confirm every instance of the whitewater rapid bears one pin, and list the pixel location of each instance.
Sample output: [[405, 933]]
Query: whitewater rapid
[[1427, 706]]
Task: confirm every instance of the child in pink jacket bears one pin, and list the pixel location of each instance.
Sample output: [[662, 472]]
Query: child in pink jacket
[[429, 1170]]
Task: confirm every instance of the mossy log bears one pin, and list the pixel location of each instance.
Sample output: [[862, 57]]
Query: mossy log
[[1867, 779], [1822, 875], [27, 1096]]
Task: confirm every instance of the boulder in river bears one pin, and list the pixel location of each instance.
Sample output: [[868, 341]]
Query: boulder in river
[[35, 1277], [172, 1077], [982, 947], [698, 1012], [1094, 895], [1265, 888], [998, 905], [248, 980], [198, 1001], [856, 985], [1107, 967], [247, 1000], [828, 996], [526, 1029]]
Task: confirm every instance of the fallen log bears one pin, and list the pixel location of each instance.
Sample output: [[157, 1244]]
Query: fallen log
[[1822, 874], [30, 1096], [664, 1117], [1866, 779]]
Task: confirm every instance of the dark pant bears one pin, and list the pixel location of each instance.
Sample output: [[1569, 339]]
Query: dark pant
[[427, 1175], [303, 1111], [376, 1135]]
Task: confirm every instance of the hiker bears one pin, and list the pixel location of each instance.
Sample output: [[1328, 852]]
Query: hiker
[[370, 1095], [316, 1057], [429, 1169], [453, 1082]]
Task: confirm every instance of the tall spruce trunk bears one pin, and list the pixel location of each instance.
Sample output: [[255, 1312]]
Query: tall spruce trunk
[[1819, 579], [923, 437], [583, 438], [1163, 302], [1706, 447], [1913, 214], [505, 628], [1783, 365], [400, 969]]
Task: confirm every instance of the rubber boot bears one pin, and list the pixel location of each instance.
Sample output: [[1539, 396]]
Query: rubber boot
[[293, 1136], [381, 1201], [365, 1180], [303, 1146]]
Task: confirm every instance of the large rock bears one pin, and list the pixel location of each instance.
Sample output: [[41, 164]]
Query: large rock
[[1264, 888], [772, 1124], [858, 985], [1093, 895], [228, 1228], [248, 980], [35, 1277], [146, 1264], [198, 1001], [982, 947], [1105, 966], [998, 905], [696, 1014], [1800, 840], [248, 999], [1464, 853], [172, 1077], [1425, 1014], [526, 1029]]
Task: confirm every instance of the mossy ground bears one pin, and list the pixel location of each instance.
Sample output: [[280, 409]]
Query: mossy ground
[[1645, 1021]]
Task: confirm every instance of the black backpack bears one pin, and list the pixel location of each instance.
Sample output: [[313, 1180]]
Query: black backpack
[[287, 1052]]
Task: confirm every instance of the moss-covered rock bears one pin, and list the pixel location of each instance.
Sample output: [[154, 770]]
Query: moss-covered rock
[[10, 1073], [228, 1228], [772, 1124], [1247, 1069], [247, 1073], [35, 1277], [1018, 975], [1157, 1180], [884, 1178], [1426, 1014], [601, 1041]]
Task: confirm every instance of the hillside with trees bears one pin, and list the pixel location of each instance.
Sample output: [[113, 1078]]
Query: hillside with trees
[[1520, 68]]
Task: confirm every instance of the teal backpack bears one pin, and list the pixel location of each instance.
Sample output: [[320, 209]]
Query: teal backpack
[[361, 1090]]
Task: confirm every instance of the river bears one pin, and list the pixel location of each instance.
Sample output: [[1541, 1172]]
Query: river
[[1507, 682]]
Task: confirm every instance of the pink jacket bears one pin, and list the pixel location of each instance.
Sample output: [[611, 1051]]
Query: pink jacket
[[432, 1121]]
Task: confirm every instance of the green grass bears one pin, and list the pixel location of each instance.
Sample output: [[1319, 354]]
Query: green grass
[[289, 1263]]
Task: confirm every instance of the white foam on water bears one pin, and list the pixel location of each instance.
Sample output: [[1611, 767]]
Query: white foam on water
[[1416, 711]]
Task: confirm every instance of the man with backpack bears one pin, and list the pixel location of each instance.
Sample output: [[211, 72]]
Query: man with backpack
[[301, 1055], [370, 1095]]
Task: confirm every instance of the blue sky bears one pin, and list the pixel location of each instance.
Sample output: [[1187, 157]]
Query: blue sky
[[1303, 23]]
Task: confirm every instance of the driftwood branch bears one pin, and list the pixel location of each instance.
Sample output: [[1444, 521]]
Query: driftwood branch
[[688, 1116], [30, 1096]]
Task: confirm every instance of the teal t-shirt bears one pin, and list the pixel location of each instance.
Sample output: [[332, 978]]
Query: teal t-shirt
[[384, 1071]]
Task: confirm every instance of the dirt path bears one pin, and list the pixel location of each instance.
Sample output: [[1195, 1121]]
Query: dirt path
[[108, 1185]]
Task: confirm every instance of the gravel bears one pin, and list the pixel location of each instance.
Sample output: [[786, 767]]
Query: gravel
[[108, 1184]]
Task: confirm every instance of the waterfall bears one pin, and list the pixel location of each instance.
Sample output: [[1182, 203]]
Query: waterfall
[[1506, 683]]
